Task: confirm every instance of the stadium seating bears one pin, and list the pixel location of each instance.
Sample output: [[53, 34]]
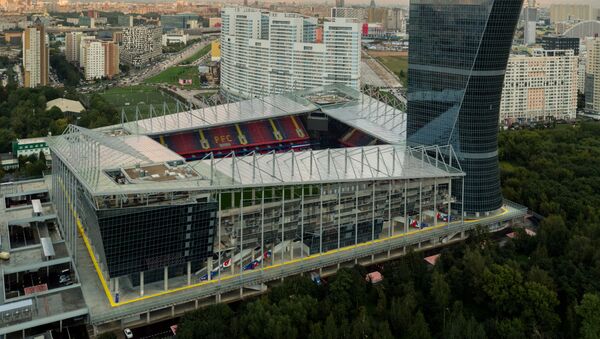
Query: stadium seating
[[356, 138], [262, 135]]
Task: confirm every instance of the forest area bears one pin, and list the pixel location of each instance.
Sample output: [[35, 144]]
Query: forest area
[[546, 286], [23, 114]]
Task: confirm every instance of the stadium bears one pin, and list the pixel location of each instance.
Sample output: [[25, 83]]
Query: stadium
[[171, 212]]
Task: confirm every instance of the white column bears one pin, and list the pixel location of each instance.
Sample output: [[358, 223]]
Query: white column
[[141, 283], [166, 278], [189, 272]]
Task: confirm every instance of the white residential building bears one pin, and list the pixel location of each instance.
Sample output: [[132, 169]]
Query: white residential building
[[175, 38], [266, 53], [82, 56], [94, 60], [73, 42], [540, 86], [592, 76]]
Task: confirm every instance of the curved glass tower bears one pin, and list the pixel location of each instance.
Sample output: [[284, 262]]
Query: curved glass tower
[[457, 60]]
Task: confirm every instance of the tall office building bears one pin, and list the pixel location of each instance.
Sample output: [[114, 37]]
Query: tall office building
[[264, 53], [141, 44], [457, 60], [541, 86], [553, 42], [529, 33], [592, 76], [73, 42], [35, 56]]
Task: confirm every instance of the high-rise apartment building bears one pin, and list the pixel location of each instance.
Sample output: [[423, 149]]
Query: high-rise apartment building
[[592, 76], [564, 12], [395, 20], [35, 56], [348, 12], [73, 43], [539, 87], [530, 16], [100, 59], [111, 59], [94, 60], [82, 42], [141, 44], [457, 60], [264, 53]]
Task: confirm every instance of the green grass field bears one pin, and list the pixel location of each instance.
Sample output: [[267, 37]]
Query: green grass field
[[202, 52], [398, 65], [140, 96], [171, 76]]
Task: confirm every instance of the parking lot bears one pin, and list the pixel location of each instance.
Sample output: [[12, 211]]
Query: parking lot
[[44, 279]]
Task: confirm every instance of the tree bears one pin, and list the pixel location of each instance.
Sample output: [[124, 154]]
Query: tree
[[440, 291], [107, 335], [501, 283], [553, 233], [418, 328], [210, 322], [589, 312]]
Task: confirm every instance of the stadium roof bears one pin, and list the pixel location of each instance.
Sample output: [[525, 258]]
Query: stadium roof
[[90, 155], [339, 102]]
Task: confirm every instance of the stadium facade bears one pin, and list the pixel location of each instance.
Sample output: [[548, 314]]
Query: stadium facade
[[174, 211], [457, 62]]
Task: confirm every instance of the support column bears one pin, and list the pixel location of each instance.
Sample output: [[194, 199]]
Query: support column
[[420, 205], [406, 205], [141, 283], [189, 272], [302, 223], [166, 278], [435, 210]]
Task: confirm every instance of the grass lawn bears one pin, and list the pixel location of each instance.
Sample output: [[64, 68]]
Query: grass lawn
[[202, 52], [398, 65], [171, 76], [141, 96]]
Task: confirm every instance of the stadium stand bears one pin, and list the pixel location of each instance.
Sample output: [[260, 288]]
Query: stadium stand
[[357, 138], [261, 135]]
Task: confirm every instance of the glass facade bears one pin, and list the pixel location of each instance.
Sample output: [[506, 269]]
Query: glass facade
[[148, 238], [458, 55]]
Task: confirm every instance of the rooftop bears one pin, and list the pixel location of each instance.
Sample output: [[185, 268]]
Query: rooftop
[[66, 105], [136, 164], [339, 102]]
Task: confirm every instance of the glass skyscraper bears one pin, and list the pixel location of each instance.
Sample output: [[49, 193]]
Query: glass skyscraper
[[458, 55]]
